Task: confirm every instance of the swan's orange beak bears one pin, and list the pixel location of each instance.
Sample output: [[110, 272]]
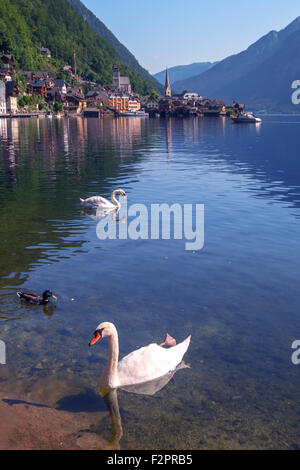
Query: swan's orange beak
[[95, 339]]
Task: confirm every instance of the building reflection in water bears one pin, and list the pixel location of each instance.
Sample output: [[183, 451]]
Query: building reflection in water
[[48, 140], [9, 137], [169, 137]]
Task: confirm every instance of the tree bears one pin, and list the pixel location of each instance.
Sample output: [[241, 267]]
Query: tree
[[154, 95], [57, 106], [21, 81]]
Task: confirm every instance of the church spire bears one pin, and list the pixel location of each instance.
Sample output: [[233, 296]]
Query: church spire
[[167, 84]]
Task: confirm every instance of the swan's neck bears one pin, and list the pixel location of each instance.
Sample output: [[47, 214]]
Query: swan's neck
[[114, 200], [109, 376]]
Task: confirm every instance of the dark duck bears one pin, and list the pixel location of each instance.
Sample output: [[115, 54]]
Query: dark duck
[[36, 299]]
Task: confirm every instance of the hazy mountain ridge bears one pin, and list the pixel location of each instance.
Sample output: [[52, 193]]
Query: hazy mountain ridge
[[260, 76], [181, 72]]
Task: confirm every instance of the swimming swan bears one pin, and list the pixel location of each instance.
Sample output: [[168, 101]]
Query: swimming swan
[[99, 201], [142, 365]]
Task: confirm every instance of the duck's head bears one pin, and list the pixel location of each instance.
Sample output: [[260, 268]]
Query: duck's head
[[103, 329], [47, 294]]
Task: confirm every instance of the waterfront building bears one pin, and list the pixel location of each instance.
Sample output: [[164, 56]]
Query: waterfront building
[[11, 94], [2, 97], [134, 105], [191, 96], [118, 102]]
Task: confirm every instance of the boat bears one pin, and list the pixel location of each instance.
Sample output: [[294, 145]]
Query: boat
[[246, 117], [134, 114]]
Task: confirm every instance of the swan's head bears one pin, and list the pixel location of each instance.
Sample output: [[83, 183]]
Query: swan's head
[[120, 191], [103, 329]]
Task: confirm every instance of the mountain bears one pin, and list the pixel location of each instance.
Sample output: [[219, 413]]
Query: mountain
[[260, 76], [123, 53], [181, 72], [27, 25]]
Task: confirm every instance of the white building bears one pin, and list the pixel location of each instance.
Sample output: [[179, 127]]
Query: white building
[[12, 104], [191, 96], [2, 97]]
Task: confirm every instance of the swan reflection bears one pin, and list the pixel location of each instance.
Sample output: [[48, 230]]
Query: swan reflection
[[111, 400], [99, 214]]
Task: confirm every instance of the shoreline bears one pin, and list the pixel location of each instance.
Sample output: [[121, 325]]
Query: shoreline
[[30, 425]]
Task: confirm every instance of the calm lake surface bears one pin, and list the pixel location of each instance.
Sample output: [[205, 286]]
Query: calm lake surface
[[239, 296]]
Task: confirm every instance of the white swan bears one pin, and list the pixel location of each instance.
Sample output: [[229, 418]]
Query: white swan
[[99, 201], [144, 364]]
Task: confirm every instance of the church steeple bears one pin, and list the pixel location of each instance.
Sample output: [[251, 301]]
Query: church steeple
[[167, 84]]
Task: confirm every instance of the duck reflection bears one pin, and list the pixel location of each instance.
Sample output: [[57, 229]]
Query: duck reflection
[[49, 309]]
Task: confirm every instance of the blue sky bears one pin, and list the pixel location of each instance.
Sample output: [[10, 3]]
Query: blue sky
[[164, 33]]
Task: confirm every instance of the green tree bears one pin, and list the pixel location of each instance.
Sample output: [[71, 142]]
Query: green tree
[[57, 106], [154, 95]]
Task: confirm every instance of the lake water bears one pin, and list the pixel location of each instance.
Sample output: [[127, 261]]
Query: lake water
[[239, 296]]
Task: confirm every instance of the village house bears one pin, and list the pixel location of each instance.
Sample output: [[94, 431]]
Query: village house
[[2, 98], [97, 97], [56, 90], [45, 51], [91, 112], [118, 102], [191, 96], [5, 75], [152, 105], [211, 107], [75, 90], [75, 101], [11, 94], [38, 88], [121, 102], [165, 105], [50, 83], [34, 75], [238, 107], [61, 86], [134, 104], [8, 61]]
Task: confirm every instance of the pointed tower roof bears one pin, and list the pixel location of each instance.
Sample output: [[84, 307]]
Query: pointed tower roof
[[167, 84]]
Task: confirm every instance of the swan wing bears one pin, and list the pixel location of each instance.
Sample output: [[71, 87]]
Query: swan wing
[[97, 201], [150, 362]]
